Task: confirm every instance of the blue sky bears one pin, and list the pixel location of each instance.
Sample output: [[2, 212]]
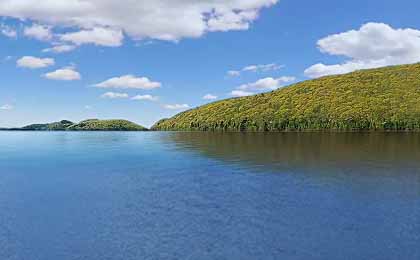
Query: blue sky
[[177, 54]]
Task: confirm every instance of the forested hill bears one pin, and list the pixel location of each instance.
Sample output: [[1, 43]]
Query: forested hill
[[377, 99], [106, 125], [87, 125]]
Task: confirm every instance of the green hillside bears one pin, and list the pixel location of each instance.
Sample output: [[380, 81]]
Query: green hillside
[[377, 99], [56, 126], [87, 125], [106, 125]]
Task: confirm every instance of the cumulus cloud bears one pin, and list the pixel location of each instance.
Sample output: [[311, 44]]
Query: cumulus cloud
[[169, 20], [60, 48], [210, 97], [227, 21], [177, 106], [241, 93], [31, 62], [65, 74], [267, 84], [6, 107], [145, 97], [255, 68], [97, 36], [129, 81], [114, 95], [8, 31], [373, 45], [39, 32]]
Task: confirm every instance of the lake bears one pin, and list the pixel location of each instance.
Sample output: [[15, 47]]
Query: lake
[[167, 195]]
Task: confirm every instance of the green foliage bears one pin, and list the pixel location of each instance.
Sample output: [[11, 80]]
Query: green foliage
[[86, 125], [106, 125], [376, 99], [56, 126]]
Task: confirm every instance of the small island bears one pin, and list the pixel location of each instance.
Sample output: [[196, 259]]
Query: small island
[[86, 125]]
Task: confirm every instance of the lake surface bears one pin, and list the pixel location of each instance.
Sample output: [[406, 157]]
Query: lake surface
[[152, 195]]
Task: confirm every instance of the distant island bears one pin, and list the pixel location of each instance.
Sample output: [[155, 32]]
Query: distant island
[[385, 99], [86, 125]]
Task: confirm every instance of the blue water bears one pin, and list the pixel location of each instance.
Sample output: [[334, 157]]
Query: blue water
[[152, 195]]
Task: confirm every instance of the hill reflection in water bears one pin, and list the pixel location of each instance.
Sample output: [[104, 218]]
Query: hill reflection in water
[[307, 150]]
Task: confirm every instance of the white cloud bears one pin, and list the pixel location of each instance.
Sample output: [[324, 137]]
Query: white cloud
[[98, 36], [241, 93], [210, 97], [234, 73], [263, 67], [255, 68], [34, 62], [169, 20], [6, 107], [320, 70], [231, 21], [66, 74], [8, 31], [114, 95], [373, 45], [60, 48], [177, 106], [250, 68], [267, 84], [264, 84], [129, 81], [145, 97], [39, 32]]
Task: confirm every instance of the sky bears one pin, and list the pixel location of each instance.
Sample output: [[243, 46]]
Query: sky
[[145, 60]]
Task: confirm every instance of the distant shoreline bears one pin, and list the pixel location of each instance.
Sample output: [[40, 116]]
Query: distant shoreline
[[86, 125], [227, 132]]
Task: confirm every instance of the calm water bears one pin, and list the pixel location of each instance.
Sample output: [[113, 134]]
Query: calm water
[[130, 196]]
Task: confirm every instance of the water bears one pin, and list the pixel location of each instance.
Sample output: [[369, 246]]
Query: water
[[133, 196]]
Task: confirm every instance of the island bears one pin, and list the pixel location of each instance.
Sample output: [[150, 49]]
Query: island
[[385, 99], [86, 125]]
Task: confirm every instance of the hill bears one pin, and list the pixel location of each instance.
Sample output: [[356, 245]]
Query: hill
[[87, 125], [377, 99], [56, 126], [106, 125]]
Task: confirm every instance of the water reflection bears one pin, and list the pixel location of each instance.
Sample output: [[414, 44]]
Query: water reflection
[[306, 150]]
